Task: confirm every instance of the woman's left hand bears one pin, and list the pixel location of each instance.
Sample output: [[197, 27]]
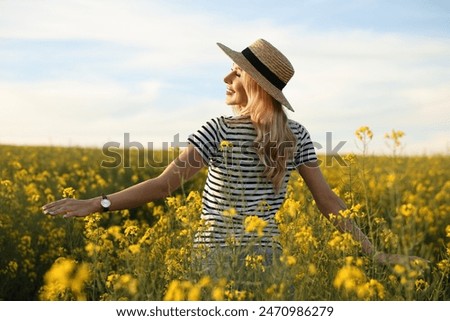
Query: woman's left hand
[[392, 259]]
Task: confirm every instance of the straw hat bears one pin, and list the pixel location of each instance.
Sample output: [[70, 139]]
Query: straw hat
[[267, 66]]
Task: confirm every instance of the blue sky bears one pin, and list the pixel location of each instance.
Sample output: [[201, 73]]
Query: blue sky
[[86, 72]]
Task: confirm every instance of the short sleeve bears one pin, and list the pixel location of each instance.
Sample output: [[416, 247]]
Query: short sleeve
[[207, 139], [305, 151]]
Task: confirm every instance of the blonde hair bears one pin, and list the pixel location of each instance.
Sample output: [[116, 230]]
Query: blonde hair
[[275, 141]]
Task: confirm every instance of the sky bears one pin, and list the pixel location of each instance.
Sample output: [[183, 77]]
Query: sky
[[91, 72]]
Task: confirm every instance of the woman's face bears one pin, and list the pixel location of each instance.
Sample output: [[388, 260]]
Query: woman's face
[[235, 94]]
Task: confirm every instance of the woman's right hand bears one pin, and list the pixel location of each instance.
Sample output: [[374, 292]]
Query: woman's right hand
[[69, 207]]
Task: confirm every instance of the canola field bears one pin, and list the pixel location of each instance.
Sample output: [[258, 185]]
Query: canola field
[[402, 203]]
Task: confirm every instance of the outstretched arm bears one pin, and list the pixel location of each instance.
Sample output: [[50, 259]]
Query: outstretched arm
[[329, 203], [179, 171]]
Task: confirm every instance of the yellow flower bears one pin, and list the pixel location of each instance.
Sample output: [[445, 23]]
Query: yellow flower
[[128, 283], [304, 238], [186, 290], [254, 224], [263, 206], [236, 295], [255, 262], [68, 192], [225, 145], [78, 280], [348, 278], [111, 279], [371, 289], [115, 231], [350, 158], [421, 285], [218, 291], [406, 210], [364, 133], [194, 293], [390, 180], [395, 136], [444, 266], [13, 266], [131, 230], [342, 241], [399, 269], [289, 260], [351, 279], [6, 183], [204, 281], [312, 270], [134, 248], [174, 292], [276, 291], [92, 248], [389, 238], [231, 212], [217, 294], [65, 276], [173, 201], [125, 282], [292, 207]]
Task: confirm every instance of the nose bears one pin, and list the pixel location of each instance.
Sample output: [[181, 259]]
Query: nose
[[229, 78]]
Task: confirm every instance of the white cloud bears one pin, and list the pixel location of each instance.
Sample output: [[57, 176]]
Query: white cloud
[[348, 79], [65, 112], [162, 33]]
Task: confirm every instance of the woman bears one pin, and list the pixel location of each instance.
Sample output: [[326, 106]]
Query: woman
[[249, 157]]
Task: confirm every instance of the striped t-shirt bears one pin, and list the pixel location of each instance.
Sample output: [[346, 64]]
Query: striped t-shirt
[[235, 187]]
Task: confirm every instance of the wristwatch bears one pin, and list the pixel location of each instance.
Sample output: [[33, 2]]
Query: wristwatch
[[105, 203]]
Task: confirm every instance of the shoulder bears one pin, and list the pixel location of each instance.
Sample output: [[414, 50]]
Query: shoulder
[[294, 124], [220, 121], [213, 129], [234, 122], [213, 125], [296, 127]]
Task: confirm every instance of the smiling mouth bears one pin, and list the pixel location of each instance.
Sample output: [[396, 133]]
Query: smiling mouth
[[229, 91]]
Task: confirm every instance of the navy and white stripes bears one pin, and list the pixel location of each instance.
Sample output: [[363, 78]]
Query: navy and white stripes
[[235, 181]]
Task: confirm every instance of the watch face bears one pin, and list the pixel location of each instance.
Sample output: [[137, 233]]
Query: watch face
[[105, 202]]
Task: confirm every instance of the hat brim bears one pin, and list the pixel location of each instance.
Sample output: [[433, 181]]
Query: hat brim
[[245, 65]]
